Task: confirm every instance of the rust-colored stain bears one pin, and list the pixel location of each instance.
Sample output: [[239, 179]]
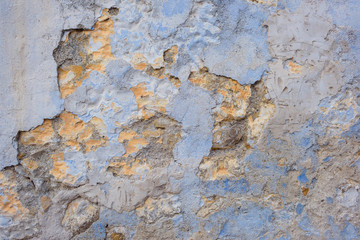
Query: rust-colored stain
[[294, 68], [304, 191]]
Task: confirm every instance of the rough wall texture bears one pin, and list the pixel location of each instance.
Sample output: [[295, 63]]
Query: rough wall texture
[[180, 119]]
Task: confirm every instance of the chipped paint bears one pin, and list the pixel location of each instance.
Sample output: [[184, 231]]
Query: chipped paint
[[183, 120]]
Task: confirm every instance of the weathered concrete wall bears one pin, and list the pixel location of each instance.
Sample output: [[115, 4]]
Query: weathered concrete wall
[[171, 119]]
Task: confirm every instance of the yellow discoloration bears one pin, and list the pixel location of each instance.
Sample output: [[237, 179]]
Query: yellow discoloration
[[129, 170], [174, 80], [39, 135], [220, 172], [148, 205], [10, 205], [146, 99], [132, 142], [70, 77], [158, 68], [235, 100], [30, 164], [294, 68], [71, 126], [141, 94], [282, 162], [266, 2], [99, 125], [85, 134], [274, 201], [210, 206], [77, 133], [139, 61], [170, 55], [79, 213], [59, 170], [134, 145], [147, 114], [45, 203], [93, 144], [158, 63], [103, 29], [218, 167], [257, 125], [126, 135], [156, 133], [115, 107], [235, 96]]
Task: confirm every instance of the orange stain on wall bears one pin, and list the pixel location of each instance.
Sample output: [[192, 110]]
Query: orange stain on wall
[[39, 135], [10, 205]]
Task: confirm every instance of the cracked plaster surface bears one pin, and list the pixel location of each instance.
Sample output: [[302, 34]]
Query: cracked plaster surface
[[180, 119]]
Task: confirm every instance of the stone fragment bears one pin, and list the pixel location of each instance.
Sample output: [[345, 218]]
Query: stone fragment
[[79, 215]]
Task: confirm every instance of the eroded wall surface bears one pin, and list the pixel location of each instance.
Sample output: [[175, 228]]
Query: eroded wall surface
[[171, 119]]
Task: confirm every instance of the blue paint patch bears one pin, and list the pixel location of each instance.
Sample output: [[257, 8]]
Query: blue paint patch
[[306, 225], [345, 14], [350, 232], [302, 177], [99, 230], [254, 222], [299, 208], [326, 159], [5, 221], [105, 187], [329, 200], [162, 31], [175, 7], [305, 142], [292, 5], [354, 131], [57, 101], [238, 186], [222, 187]]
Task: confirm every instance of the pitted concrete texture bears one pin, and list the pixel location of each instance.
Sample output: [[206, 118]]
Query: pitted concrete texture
[[180, 119]]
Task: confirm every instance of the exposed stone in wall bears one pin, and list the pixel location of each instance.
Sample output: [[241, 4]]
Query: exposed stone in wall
[[170, 119]]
